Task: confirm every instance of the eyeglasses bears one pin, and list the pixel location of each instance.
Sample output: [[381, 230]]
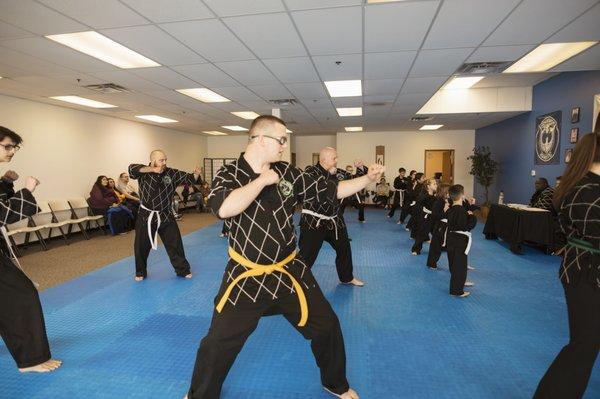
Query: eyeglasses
[[281, 140], [10, 147]]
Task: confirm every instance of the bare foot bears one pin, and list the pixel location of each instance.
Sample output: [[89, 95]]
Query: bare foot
[[349, 394], [355, 282], [188, 276], [45, 367], [138, 278]]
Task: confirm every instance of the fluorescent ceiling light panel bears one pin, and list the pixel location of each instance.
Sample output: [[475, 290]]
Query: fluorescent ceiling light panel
[[246, 114], [383, 1], [354, 129], [344, 88], [430, 127], [355, 111], [204, 95], [236, 128], [156, 118], [547, 56], [99, 46], [215, 133], [86, 102], [462, 82]]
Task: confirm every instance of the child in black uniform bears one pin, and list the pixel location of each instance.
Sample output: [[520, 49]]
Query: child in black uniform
[[422, 212], [458, 240], [439, 222]]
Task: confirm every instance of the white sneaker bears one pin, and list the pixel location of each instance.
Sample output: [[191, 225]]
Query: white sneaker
[[463, 295]]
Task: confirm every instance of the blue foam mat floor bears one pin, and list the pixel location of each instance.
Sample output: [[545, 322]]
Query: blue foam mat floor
[[405, 336]]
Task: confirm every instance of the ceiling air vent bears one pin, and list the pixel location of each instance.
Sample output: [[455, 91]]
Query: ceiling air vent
[[421, 118], [108, 88], [482, 68], [376, 104], [284, 102]]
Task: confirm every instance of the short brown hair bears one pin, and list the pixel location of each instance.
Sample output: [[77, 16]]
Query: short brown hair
[[265, 120]]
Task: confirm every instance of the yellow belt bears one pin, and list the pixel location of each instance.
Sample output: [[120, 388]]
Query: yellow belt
[[257, 270]]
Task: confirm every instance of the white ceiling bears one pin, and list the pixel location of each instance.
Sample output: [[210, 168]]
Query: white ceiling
[[254, 51]]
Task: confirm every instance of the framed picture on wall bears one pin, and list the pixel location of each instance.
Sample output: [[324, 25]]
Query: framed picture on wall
[[574, 135], [568, 155], [575, 115]]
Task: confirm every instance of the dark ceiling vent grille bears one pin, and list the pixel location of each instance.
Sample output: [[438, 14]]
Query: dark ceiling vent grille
[[376, 104], [284, 102], [108, 88], [482, 68], [421, 118]]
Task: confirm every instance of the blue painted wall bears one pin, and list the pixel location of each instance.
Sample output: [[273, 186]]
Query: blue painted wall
[[512, 141]]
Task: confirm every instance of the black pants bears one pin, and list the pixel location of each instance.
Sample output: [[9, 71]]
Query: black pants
[[361, 211], [22, 324], [457, 263], [435, 246], [570, 372], [395, 204], [171, 238], [406, 208], [230, 329], [310, 243], [422, 235]]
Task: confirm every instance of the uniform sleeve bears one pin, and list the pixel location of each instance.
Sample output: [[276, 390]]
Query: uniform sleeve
[[223, 184], [18, 207], [308, 187], [545, 200], [179, 177], [582, 212], [134, 170]]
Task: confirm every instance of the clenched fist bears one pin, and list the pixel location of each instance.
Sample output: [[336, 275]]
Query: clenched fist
[[269, 176], [31, 183], [375, 171]]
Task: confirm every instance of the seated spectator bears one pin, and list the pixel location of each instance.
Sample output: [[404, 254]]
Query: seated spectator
[[383, 192], [542, 198], [132, 199], [191, 192], [111, 186], [103, 201]]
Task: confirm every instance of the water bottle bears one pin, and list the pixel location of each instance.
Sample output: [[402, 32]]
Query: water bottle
[[501, 198]]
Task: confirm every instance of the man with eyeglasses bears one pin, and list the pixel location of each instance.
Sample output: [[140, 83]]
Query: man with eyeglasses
[[257, 194], [22, 324], [157, 184]]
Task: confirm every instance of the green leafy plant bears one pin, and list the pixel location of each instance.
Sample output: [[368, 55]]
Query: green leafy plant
[[484, 168]]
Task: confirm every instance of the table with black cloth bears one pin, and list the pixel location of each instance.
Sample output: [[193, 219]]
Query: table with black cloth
[[517, 226]]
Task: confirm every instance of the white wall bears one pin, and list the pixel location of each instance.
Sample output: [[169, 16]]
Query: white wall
[[67, 149], [305, 146], [225, 146], [407, 149]]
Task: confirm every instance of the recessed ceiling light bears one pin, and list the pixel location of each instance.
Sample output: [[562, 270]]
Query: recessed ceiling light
[[101, 47], [355, 111], [383, 1], [215, 133], [462, 82], [430, 127], [344, 88], [546, 56], [354, 129], [236, 128], [83, 101], [246, 114], [204, 95], [156, 118]]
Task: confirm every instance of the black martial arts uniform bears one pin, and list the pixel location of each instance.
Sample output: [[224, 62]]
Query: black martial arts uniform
[[262, 241], [323, 221], [458, 244], [400, 185], [424, 224], [22, 324], [440, 223], [360, 204], [414, 195], [155, 217], [408, 199], [579, 219]]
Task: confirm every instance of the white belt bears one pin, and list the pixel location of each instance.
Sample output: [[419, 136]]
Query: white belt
[[427, 212], [323, 217], [153, 239], [401, 200], [469, 236], [445, 231]]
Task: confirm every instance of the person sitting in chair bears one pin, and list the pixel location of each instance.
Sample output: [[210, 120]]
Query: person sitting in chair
[[542, 198]]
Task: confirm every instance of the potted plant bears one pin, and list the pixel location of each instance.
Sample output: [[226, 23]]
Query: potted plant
[[484, 168]]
